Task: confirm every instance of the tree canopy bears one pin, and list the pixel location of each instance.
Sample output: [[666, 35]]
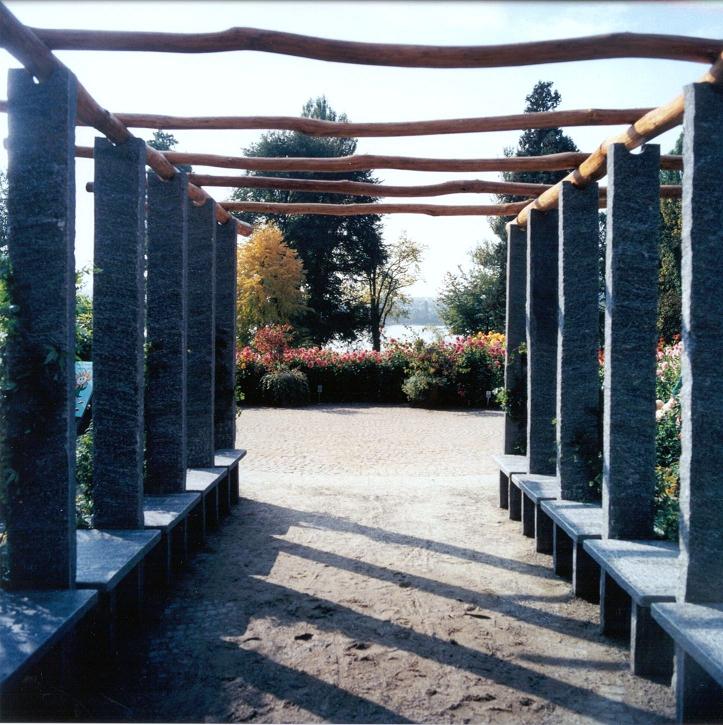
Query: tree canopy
[[270, 279], [334, 250]]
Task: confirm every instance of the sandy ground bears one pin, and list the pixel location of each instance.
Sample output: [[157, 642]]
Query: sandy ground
[[368, 576]]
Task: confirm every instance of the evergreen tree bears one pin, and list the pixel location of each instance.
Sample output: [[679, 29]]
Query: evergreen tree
[[335, 251]]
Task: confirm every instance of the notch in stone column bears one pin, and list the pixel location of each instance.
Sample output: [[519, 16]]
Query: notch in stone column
[[165, 402], [201, 334], [515, 338], [118, 319], [631, 279], [542, 229], [701, 462], [224, 400], [578, 381], [39, 446]]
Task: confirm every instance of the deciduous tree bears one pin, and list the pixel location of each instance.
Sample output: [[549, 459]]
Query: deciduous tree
[[270, 282]]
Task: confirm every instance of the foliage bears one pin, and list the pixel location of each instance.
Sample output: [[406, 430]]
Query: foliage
[[469, 301], [333, 250], [164, 141], [270, 282], [669, 280], [283, 387], [384, 281], [463, 370], [84, 479], [667, 440], [83, 319]]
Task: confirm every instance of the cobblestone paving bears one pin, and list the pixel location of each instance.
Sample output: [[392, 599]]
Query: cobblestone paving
[[368, 576]]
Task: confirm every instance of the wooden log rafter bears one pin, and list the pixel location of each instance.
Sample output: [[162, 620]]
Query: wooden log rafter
[[316, 127], [359, 188], [595, 47], [26, 47], [365, 162], [652, 124]]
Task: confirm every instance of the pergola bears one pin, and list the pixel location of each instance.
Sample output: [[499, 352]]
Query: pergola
[[165, 462]]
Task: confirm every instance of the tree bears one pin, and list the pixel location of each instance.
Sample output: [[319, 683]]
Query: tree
[[270, 285], [669, 281], [477, 297], [164, 141], [334, 250], [384, 283], [467, 303]]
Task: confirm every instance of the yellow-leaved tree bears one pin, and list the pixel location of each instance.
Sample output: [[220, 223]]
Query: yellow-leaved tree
[[270, 282]]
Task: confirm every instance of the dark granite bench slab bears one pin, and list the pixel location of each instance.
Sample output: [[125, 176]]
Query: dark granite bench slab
[[170, 513], [209, 482], [105, 557], [32, 623], [635, 574], [573, 522], [231, 457], [698, 629], [646, 570], [508, 464], [535, 489]]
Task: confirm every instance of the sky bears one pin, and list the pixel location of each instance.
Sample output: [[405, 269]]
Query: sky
[[252, 83]]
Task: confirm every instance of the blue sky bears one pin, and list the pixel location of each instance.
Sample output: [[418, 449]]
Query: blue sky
[[263, 84]]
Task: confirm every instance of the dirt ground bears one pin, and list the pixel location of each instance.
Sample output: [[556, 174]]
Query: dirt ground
[[368, 575]]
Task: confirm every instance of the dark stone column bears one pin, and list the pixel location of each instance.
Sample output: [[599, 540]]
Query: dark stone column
[[631, 277], [201, 334], [39, 455], [167, 313], [542, 245], [578, 383], [701, 531], [515, 336], [118, 319], [224, 401]]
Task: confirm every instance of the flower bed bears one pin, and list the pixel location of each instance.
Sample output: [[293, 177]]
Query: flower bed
[[454, 374]]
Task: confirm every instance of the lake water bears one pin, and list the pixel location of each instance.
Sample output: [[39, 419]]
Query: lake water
[[403, 333]]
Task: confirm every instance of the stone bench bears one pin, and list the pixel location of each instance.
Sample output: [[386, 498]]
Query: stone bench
[[170, 513], [113, 563], [230, 458], [697, 631], [508, 465], [534, 490], [573, 523], [212, 484], [633, 575], [32, 625]]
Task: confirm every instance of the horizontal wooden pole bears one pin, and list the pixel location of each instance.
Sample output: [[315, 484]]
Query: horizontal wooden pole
[[595, 47], [262, 207], [364, 162], [26, 47], [316, 127], [652, 124]]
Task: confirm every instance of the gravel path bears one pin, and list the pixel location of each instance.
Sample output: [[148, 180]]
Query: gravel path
[[368, 576]]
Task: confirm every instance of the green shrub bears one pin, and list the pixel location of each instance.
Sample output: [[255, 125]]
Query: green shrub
[[84, 479], [285, 388]]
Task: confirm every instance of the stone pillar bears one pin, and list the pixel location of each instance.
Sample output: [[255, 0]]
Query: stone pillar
[[39, 455], [118, 320], [201, 334], [631, 278], [224, 400], [701, 463], [515, 336], [578, 382], [167, 319], [541, 308]]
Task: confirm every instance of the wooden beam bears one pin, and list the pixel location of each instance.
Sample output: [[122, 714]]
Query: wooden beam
[[363, 162], [595, 47], [315, 127], [26, 47], [652, 124], [262, 207]]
